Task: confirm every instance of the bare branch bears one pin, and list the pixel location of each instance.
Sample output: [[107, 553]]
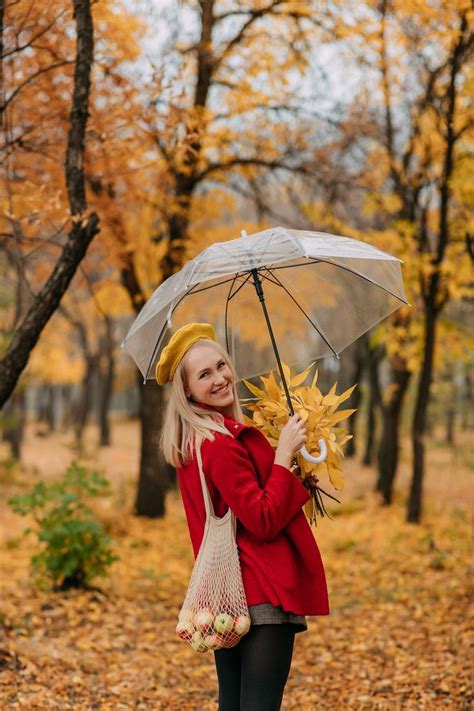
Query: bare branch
[[31, 78], [254, 16], [260, 162], [19, 48]]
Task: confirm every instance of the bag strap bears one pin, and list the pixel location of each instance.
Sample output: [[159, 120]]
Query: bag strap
[[206, 495], [205, 490]]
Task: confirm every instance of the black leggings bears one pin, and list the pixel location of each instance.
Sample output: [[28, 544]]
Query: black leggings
[[252, 675]]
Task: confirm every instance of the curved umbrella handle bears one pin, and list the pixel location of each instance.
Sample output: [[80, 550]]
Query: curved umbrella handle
[[322, 456]]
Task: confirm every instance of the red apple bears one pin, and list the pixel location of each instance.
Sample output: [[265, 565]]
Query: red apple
[[203, 620], [242, 624], [232, 642], [185, 629]]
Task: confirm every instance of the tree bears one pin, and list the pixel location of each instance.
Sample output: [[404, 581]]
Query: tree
[[452, 124], [83, 225], [220, 122], [415, 144]]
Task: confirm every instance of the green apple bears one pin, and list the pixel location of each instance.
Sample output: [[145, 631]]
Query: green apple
[[223, 623], [213, 641], [197, 642]]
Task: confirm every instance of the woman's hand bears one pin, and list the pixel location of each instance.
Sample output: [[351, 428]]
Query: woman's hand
[[292, 438]]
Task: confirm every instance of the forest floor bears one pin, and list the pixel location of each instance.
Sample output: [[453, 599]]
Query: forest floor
[[397, 637]]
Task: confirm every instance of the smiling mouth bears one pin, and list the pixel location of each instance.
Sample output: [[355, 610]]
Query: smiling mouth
[[221, 391]]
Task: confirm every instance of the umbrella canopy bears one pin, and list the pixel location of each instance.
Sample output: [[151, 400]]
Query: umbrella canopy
[[321, 293]]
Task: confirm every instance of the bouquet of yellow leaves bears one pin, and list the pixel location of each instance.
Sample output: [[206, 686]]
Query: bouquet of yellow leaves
[[321, 415]]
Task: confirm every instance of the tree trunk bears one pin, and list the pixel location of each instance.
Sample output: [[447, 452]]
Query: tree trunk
[[50, 414], [450, 421], [369, 452], [419, 420], [67, 410], [85, 399], [466, 399], [433, 297], [14, 417], [356, 397], [41, 403], [155, 474], [373, 358], [389, 442], [106, 375]]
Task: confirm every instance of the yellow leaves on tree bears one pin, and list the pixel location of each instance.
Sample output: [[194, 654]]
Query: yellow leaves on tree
[[37, 84], [55, 360], [111, 299]]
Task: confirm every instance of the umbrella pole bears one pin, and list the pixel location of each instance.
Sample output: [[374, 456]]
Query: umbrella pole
[[259, 289]]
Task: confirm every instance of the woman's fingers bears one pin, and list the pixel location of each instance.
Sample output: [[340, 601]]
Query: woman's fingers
[[294, 433], [299, 425]]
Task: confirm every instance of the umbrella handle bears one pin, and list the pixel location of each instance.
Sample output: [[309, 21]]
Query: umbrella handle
[[322, 456]]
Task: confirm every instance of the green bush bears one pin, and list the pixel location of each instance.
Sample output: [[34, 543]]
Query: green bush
[[76, 548]]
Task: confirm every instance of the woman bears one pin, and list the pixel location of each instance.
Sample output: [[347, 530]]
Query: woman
[[282, 571]]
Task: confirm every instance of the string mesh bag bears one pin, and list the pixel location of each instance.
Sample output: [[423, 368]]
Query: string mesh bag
[[214, 614]]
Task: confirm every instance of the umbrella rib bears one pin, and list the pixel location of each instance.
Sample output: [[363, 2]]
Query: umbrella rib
[[157, 344], [295, 239], [346, 269], [226, 313], [231, 296], [192, 290], [304, 313], [212, 286], [268, 244], [292, 266], [158, 340], [365, 278], [273, 280]]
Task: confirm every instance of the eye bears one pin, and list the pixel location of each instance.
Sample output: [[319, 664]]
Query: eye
[[222, 363], [203, 375]]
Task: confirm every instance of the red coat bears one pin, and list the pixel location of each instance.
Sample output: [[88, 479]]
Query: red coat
[[279, 557]]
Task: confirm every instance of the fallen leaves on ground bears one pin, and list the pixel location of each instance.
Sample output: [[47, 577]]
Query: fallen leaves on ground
[[397, 636]]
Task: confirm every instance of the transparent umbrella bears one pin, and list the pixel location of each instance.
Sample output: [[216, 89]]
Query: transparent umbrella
[[279, 294]]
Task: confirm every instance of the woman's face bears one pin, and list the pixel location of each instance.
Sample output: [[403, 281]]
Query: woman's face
[[209, 379]]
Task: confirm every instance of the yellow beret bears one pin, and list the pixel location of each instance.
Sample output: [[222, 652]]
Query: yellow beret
[[180, 343]]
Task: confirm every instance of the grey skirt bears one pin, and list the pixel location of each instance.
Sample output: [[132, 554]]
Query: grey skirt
[[267, 614]]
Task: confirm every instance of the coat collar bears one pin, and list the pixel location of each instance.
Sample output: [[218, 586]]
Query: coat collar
[[234, 426]]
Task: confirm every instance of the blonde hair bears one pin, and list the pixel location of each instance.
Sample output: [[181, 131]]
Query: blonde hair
[[186, 424]]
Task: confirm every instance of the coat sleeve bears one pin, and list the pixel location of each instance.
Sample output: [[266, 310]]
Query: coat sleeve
[[264, 512]]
